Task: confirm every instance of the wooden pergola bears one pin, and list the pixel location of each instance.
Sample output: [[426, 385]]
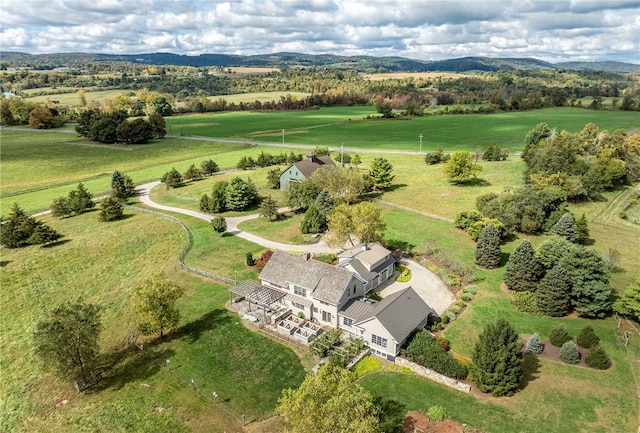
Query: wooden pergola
[[255, 293]]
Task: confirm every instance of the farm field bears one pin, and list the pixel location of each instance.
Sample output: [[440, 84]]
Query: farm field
[[71, 98], [248, 373], [261, 96], [333, 127]]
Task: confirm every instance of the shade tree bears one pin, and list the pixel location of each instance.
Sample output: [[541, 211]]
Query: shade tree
[[154, 301], [461, 168]]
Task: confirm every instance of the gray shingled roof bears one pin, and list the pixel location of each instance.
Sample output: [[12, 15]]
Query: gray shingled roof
[[308, 166], [400, 313], [357, 308], [326, 282], [374, 252]]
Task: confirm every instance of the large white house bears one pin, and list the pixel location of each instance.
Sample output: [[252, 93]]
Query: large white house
[[335, 295]]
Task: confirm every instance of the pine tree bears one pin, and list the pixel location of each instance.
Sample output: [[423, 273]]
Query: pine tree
[[17, 229], [269, 208], [324, 202], [552, 295], [552, 250], [218, 199], [497, 359], [60, 207], [121, 186], [567, 228], [534, 345], [380, 173], [240, 194], [569, 353], [597, 358], [205, 203], [313, 221], [111, 209], [80, 200], [193, 173], [582, 226], [523, 270], [209, 167], [43, 235], [488, 248], [587, 337], [559, 336], [172, 178]]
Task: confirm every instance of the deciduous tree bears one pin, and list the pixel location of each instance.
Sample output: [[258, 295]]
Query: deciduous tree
[[301, 195], [269, 208], [461, 168], [629, 303], [158, 125], [328, 402], [155, 303], [497, 359], [67, 339], [344, 185]]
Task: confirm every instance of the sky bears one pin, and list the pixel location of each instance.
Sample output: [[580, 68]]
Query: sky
[[551, 30]]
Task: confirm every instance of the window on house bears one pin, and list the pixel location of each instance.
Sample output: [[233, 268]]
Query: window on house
[[315, 309], [326, 316], [347, 321], [300, 291], [382, 342]]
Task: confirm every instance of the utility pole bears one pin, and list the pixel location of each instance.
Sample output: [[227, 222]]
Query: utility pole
[[420, 137], [283, 137]]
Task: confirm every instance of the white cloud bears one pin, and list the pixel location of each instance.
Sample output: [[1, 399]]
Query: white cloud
[[550, 30]]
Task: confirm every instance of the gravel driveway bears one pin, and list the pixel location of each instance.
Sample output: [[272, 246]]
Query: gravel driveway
[[426, 284]]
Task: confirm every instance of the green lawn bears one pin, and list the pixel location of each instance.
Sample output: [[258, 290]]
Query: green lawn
[[101, 262]]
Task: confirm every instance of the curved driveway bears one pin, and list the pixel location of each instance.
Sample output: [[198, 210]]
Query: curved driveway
[[232, 224]]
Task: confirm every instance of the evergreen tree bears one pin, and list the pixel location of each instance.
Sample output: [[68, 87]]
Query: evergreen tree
[[60, 207], [121, 186], [552, 250], [17, 229], [219, 224], [240, 194], [172, 178], [324, 202], [597, 358], [497, 359], [380, 173], [592, 299], [193, 173], [43, 235], [273, 178], [559, 336], [209, 167], [80, 200], [569, 353], [313, 221], [269, 208], [488, 248], [534, 345], [587, 337], [205, 203], [582, 226], [567, 228], [552, 295], [111, 209], [218, 199], [523, 270]]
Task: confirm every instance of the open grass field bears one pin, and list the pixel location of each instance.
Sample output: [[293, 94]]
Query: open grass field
[[261, 96], [332, 127], [211, 346], [71, 98]]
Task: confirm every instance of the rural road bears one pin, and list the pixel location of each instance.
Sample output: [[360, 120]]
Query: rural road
[[232, 224]]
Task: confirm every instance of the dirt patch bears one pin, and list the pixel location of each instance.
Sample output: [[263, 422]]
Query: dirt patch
[[419, 422]]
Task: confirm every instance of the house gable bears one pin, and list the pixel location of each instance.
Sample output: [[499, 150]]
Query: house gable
[[301, 170]]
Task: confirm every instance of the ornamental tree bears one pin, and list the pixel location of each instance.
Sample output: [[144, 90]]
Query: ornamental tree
[[569, 353], [534, 345], [597, 358], [552, 294], [219, 224], [587, 337], [497, 359], [559, 335]]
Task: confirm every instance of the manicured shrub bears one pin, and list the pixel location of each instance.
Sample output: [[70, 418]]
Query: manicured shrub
[[559, 336], [454, 309], [525, 302], [249, 259], [437, 413], [473, 289], [452, 280], [534, 345], [466, 296], [443, 342], [587, 337], [569, 353], [461, 304], [597, 358], [424, 350], [451, 315], [437, 327], [445, 319]]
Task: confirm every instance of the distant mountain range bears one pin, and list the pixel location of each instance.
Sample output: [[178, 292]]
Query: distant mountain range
[[359, 63]]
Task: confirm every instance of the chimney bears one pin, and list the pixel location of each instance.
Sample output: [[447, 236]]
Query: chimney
[[311, 156], [364, 246], [306, 256]]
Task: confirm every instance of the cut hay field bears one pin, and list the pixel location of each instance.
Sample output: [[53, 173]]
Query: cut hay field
[[346, 125], [259, 96], [71, 98], [101, 262]]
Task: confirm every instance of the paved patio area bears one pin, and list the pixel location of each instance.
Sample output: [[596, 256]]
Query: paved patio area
[[426, 284]]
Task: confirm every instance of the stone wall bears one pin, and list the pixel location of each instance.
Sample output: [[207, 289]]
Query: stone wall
[[430, 374]]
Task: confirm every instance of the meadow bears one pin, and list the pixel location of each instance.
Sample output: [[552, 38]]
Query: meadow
[[101, 262]]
